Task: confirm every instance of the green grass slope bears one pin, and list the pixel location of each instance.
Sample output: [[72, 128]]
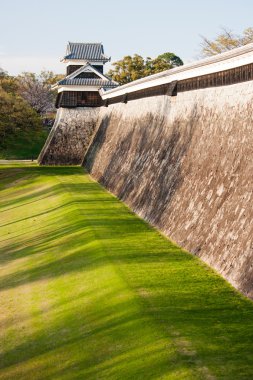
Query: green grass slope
[[90, 291], [24, 145]]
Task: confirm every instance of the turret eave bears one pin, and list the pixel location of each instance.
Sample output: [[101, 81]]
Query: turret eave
[[78, 61], [62, 88]]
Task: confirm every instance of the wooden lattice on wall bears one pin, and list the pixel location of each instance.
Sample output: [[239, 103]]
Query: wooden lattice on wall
[[223, 78], [78, 99]]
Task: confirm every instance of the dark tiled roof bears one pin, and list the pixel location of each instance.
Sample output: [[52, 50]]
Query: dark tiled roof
[[88, 51], [88, 82]]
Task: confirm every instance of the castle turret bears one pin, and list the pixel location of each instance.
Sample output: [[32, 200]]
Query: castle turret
[[84, 76]]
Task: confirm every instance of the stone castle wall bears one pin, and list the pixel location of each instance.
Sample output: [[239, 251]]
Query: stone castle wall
[[69, 137], [185, 164]]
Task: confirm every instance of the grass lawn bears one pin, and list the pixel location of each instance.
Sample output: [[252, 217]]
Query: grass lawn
[[90, 291]]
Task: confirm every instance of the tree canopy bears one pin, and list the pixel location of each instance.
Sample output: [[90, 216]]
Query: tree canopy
[[24, 103], [36, 90], [2, 73], [225, 41], [135, 67], [16, 116]]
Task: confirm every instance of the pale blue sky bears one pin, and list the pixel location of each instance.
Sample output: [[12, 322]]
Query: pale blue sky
[[33, 33]]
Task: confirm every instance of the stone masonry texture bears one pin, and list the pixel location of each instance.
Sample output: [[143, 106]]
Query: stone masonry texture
[[69, 137], [185, 164]]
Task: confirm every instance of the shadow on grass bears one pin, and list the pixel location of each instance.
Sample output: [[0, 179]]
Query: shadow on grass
[[100, 344], [173, 293]]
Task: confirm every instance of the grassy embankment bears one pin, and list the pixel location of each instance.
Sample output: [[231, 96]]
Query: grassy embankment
[[23, 146], [90, 291]]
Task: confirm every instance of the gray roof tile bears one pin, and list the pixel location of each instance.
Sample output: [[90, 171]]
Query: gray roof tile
[[88, 51], [88, 82]]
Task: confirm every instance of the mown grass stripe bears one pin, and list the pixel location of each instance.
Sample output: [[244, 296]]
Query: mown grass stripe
[[90, 291]]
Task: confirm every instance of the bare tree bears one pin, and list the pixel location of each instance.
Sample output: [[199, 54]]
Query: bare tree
[[225, 41], [36, 90]]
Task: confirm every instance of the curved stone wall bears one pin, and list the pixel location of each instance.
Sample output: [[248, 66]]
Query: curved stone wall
[[185, 164], [69, 137]]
